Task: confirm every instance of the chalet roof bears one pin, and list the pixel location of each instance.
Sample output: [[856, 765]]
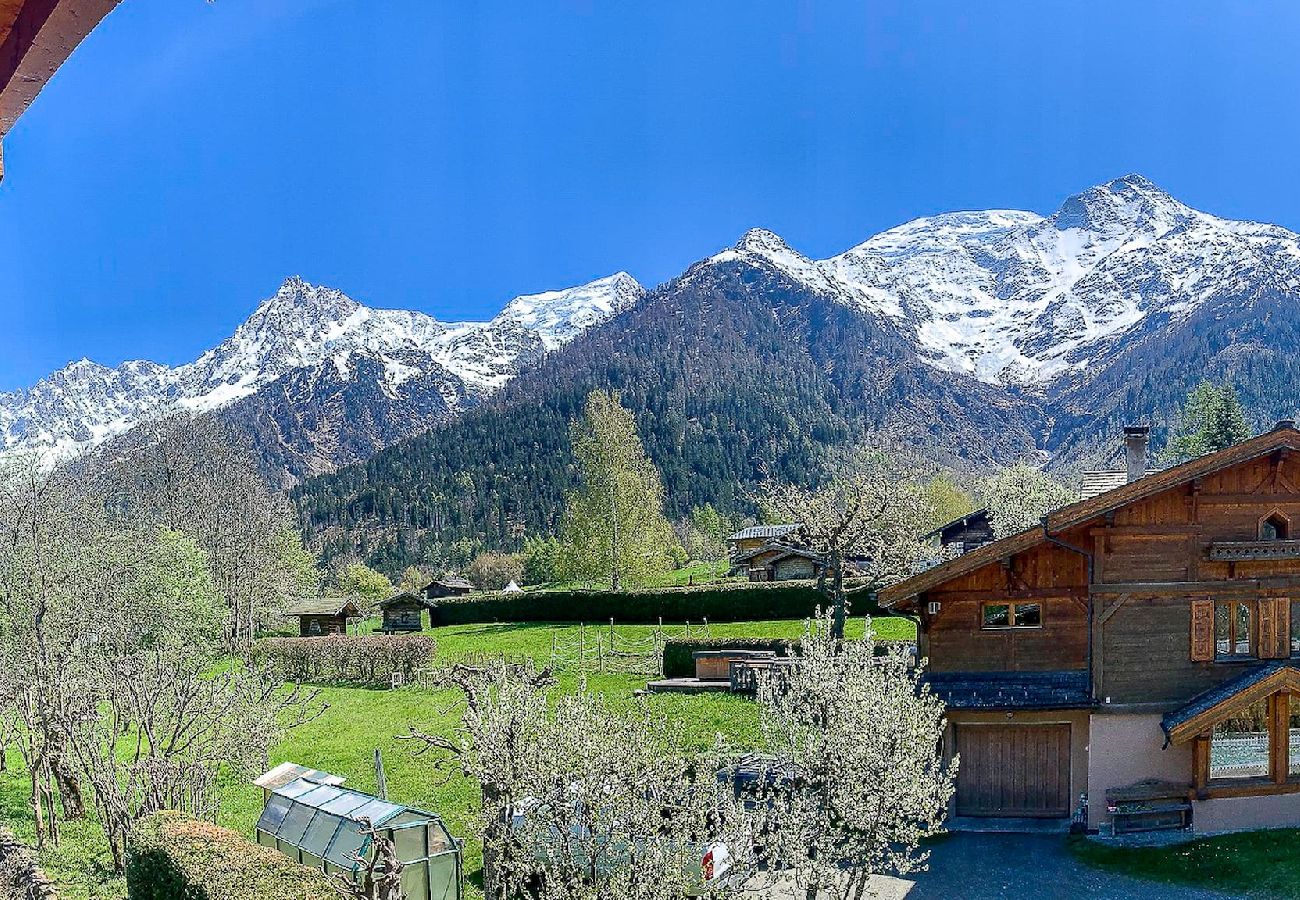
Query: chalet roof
[[1284, 437], [323, 606], [973, 515], [1011, 690], [1222, 700], [967, 562], [452, 581], [782, 551], [1099, 482], [762, 531], [402, 597]]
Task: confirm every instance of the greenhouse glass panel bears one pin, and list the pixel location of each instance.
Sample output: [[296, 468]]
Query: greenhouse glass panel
[[318, 795], [296, 789], [273, 815], [347, 842], [377, 811], [345, 804], [320, 834], [295, 824], [439, 840]]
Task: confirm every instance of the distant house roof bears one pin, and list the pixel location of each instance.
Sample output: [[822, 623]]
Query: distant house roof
[[402, 597], [1100, 482], [1011, 690], [978, 515], [451, 583], [781, 551], [1246, 688], [287, 772], [762, 531], [323, 606]]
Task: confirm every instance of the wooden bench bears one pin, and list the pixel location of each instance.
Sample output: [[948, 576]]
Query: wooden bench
[[1150, 805]]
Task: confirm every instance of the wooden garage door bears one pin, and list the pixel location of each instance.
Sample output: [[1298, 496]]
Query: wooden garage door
[[1013, 770]]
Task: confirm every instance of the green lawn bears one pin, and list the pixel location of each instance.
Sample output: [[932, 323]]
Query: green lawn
[[343, 740], [1251, 864]]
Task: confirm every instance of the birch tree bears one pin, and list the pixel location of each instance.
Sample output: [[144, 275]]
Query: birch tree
[[614, 525], [858, 780], [867, 512]]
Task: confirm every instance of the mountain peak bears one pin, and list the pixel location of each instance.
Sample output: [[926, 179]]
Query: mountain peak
[[1124, 203], [559, 315], [762, 242]]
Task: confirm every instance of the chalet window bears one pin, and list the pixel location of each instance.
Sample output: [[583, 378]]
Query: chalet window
[[1012, 615], [1239, 746], [1233, 620], [1274, 528]]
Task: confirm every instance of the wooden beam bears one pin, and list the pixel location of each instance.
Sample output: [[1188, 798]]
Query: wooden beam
[[1201, 763], [1279, 736], [1250, 499]]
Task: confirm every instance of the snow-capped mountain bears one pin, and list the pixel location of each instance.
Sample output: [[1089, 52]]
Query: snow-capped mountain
[[304, 343], [1012, 297]]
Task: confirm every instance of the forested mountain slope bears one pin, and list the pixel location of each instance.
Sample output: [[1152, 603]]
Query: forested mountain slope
[[733, 366]]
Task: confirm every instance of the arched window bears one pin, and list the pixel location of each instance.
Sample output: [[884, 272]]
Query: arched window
[[1274, 527]]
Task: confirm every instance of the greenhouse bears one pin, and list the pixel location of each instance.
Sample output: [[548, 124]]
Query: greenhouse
[[321, 825]]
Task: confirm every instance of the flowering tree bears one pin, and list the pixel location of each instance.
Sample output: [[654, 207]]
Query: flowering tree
[[585, 799], [867, 512], [858, 779], [1019, 496]]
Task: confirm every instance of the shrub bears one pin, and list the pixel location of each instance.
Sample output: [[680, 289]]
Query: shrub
[[348, 659], [493, 571], [172, 857], [20, 879], [717, 603], [679, 653]]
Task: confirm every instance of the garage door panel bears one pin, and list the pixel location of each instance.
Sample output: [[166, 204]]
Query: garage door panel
[[1013, 770]]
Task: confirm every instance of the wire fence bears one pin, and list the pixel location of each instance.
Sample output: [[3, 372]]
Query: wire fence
[[609, 649]]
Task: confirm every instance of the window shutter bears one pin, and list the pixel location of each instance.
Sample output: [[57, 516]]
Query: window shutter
[[1203, 630], [1274, 616]]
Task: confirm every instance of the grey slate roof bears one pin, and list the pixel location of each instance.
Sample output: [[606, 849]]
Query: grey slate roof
[[321, 606], [1227, 690], [762, 531], [1011, 690], [1094, 483]]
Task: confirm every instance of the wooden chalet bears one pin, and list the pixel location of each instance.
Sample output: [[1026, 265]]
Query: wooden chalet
[[447, 586], [1140, 649], [756, 537], [964, 533], [325, 615], [403, 612]]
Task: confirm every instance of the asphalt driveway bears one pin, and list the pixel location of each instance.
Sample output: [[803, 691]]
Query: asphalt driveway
[[969, 866]]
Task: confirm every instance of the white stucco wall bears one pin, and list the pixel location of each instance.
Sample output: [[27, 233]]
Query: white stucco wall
[[1126, 748], [1244, 813]]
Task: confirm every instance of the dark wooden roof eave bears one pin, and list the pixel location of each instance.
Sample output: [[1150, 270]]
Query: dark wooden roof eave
[[898, 594], [1095, 507]]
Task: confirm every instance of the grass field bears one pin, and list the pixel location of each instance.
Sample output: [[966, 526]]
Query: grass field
[[1252, 864], [357, 721]]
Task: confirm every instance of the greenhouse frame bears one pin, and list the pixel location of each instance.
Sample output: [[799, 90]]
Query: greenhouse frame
[[320, 825]]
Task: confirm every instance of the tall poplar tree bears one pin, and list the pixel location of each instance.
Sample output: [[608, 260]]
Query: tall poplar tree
[[614, 525]]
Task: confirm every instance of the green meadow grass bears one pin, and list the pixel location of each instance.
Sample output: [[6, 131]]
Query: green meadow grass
[[357, 721]]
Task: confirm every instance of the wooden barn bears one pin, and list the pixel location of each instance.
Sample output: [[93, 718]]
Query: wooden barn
[[756, 537], [447, 586], [1140, 650], [403, 612], [325, 615]]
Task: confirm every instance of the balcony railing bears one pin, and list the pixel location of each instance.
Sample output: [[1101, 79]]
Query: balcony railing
[[1230, 551]]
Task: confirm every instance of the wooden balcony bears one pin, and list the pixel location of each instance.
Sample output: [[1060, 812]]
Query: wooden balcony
[[1235, 551]]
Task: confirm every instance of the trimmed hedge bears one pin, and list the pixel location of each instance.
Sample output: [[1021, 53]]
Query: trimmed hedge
[[173, 857], [717, 603], [20, 879], [345, 658], [679, 659]]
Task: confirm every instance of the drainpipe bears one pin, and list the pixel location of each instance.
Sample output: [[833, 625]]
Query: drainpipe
[[1088, 555]]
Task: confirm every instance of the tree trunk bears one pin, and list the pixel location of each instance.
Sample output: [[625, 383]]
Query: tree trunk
[[835, 562]]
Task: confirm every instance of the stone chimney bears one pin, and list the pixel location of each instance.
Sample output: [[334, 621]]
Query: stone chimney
[[1136, 438]]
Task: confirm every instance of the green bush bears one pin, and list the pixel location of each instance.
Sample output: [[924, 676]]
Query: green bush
[[679, 653], [172, 857], [717, 603]]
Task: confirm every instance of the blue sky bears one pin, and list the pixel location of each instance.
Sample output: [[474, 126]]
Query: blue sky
[[446, 156]]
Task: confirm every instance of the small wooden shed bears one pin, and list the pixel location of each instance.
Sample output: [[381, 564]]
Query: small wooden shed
[[403, 613], [323, 615]]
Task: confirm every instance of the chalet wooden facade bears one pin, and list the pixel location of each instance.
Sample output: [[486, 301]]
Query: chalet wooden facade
[[403, 613], [1149, 635]]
